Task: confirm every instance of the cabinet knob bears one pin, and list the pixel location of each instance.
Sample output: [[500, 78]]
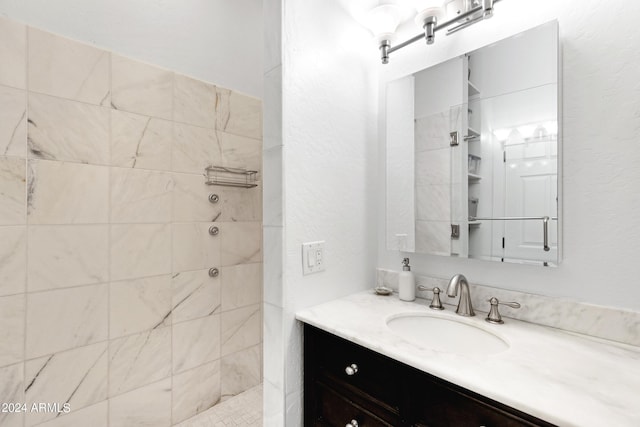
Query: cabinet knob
[[353, 423], [351, 370], [213, 230], [214, 272]]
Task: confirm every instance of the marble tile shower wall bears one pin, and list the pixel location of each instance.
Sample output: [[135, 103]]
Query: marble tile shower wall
[[105, 300]]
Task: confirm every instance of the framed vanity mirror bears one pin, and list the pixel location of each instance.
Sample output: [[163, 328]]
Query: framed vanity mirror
[[472, 154]]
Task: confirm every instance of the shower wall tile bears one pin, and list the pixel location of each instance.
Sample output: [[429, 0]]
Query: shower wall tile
[[433, 202], [12, 191], [63, 256], [84, 200], [140, 250], [141, 88], [273, 205], [195, 391], [12, 310], [194, 248], [240, 371], [64, 319], [139, 305], [94, 416], [13, 55], [196, 342], [433, 237], [435, 167], [241, 243], [432, 132], [241, 204], [140, 196], [194, 102], [149, 406], [66, 68], [238, 114], [13, 122], [12, 390], [241, 285], [191, 199], [13, 260], [241, 329], [138, 360], [273, 265], [194, 295], [78, 376], [194, 148], [240, 152], [140, 142], [59, 129]]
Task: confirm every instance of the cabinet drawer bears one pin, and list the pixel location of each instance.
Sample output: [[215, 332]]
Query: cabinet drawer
[[377, 377], [337, 410]]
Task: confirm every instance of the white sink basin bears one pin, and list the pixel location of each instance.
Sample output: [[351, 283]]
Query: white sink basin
[[448, 335]]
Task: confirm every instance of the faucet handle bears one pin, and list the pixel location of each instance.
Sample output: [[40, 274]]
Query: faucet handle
[[436, 304], [494, 314]]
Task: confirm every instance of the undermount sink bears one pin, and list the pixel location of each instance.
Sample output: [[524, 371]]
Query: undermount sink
[[447, 335]]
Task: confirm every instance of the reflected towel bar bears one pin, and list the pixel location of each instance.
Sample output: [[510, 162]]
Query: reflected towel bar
[[545, 225]]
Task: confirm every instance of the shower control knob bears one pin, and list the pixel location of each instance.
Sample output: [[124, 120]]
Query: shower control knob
[[214, 198], [351, 369], [214, 272], [213, 230], [353, 423]]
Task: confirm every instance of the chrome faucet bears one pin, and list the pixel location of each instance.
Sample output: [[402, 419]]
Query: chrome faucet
[[464, 304]]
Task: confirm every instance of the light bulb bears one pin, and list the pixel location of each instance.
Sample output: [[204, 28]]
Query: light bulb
[[383, 21]]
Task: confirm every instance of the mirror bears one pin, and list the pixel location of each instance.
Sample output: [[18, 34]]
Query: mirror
[[472, 154]]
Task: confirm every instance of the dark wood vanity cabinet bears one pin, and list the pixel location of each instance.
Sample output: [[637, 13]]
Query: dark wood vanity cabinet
[[379, 391]]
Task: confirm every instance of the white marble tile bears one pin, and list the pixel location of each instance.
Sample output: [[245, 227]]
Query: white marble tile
[[139, 305], [238, 114], [191, 199], [272, 107], [240, 204], [78, 377], [433, 167], [13, 260], [433, 202], [194, 294], [195, 390], [273, 405], [195, 342], [13, 53], [241, 285], [240, 371], [94, 416], [194, 248], [149, 406], [140, 250], [140, 196], [140, 142], [433, 237], [241, 243], [59, 129], [241, 329], [68, 318], [273, 265], [239, 151], [432, 132], [12, 191], [63, 256], [12, 390], [194, 148], [139, 359], [85, 198], [273, 205], [273, 341], [11, 329], [194, 102], [13, 122], [141, 88], [66, 68]]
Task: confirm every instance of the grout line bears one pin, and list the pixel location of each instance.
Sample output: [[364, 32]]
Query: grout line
[[109, 188], [26, 219]]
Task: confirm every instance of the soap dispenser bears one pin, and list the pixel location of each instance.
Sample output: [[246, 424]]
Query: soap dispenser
[[406, 282]]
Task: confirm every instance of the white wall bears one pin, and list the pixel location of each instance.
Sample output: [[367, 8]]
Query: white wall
[[219, 41], [600, 152]]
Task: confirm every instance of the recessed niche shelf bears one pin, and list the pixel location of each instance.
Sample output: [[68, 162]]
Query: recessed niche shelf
[[473, 89], [474, 177], [230, 177]]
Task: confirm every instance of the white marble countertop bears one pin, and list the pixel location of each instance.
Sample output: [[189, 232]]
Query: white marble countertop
[[563, 378]]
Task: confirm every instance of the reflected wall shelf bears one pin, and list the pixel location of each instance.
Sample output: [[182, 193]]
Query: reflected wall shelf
[[473, 177], [230, 177], [473, 89]]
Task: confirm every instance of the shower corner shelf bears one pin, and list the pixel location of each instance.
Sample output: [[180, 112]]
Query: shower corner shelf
[[230, 177]]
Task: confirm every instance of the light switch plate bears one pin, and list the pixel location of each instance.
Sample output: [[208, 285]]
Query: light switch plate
[[312, 257]]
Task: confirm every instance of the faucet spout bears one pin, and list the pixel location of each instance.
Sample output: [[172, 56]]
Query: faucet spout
[[458, 283]]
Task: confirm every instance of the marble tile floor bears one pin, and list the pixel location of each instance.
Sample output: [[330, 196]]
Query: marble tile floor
[[243, 410]]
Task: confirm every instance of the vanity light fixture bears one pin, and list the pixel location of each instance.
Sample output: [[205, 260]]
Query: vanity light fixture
[[383, 21]]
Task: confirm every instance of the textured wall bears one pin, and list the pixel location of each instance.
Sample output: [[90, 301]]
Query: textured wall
[[214, 40], [105, 300], [600, 113]]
